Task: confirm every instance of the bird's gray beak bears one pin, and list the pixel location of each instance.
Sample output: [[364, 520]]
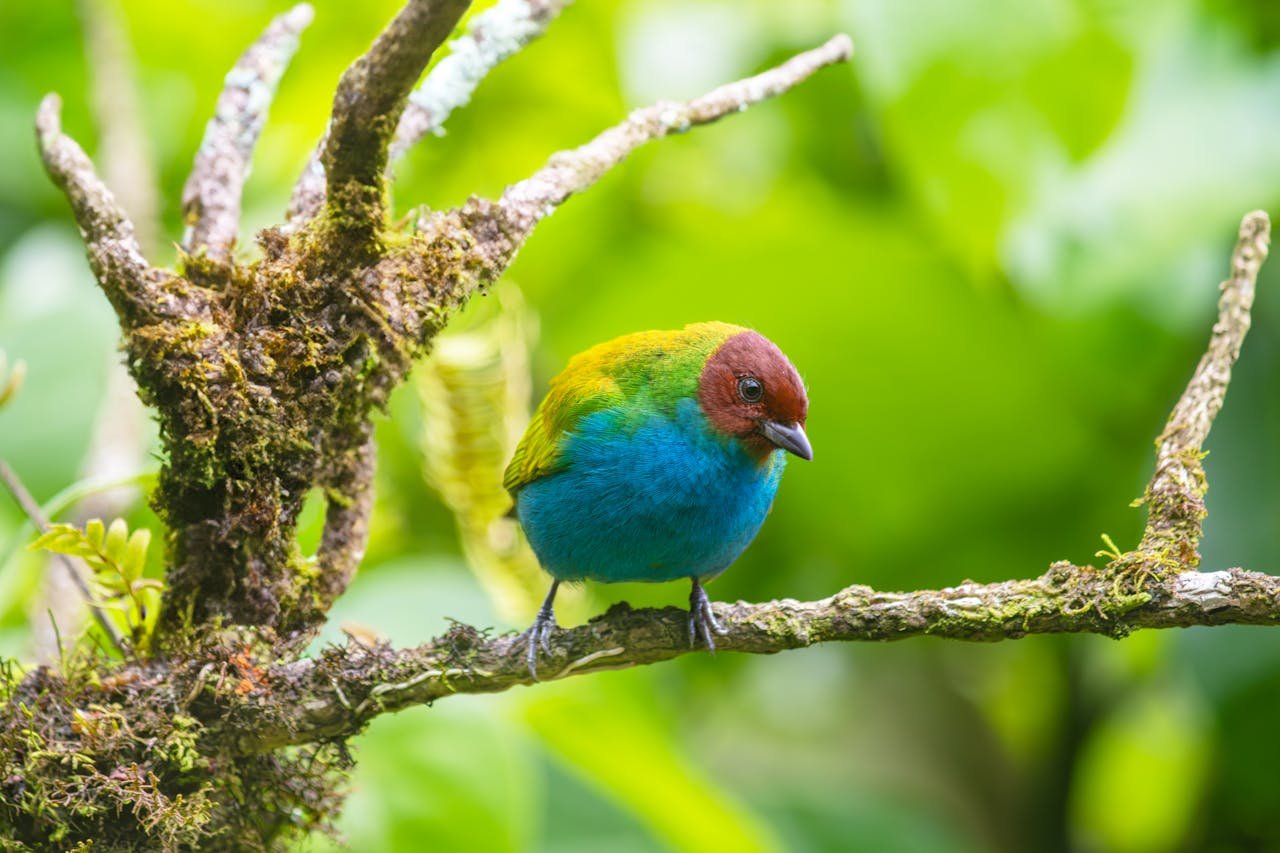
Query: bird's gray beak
[[790, 437]]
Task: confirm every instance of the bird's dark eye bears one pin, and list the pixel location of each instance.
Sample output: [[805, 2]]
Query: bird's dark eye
[[750, 389]]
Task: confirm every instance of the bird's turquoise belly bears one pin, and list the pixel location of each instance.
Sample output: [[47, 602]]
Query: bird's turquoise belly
[[655, 502]]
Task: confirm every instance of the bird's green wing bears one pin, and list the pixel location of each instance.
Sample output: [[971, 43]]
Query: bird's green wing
[[574, 394], [639, 372]]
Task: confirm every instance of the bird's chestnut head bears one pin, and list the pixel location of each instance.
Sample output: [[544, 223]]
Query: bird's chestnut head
[[748, 389]]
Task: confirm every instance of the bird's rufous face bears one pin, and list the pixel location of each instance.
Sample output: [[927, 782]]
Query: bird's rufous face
[[750, 390]]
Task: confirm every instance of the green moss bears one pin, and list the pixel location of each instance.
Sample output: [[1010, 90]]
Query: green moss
[[350, 228], [102, 756], [264, 396]]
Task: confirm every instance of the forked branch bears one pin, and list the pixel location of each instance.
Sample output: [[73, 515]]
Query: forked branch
[[569, 172], [1175, 497]]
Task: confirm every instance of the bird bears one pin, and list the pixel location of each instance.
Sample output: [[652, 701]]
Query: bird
[[655, 457]]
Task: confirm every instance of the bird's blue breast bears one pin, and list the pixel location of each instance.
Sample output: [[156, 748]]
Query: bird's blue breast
[[657, 500]]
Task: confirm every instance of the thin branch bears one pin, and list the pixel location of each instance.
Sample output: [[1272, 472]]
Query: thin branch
[[1175, 496], [137, 291], [346, 522], [491, 37], [367, 106], [29, 506], [569, 172], [309, 694], [211, 197]]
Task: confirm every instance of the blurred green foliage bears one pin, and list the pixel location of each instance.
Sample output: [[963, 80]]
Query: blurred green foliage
[[990, 246]]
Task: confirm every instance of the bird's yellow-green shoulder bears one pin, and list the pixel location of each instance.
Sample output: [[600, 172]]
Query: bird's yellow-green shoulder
[[642, 372]]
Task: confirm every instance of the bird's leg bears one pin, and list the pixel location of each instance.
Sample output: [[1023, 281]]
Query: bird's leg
[[539, 633], [701, 620]]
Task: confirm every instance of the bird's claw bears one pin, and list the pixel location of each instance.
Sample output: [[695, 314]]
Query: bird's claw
[[538, 634], [702, 621]]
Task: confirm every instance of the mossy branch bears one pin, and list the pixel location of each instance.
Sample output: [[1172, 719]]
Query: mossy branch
[[366, 111], [524, 204], [346, 521], [342, 690]]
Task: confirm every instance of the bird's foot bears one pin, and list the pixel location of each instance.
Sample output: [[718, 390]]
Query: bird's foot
[[702, 621], [538, 635]]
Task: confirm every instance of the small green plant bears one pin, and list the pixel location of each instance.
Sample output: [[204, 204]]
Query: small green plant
[[118, 559], [1112, 552]]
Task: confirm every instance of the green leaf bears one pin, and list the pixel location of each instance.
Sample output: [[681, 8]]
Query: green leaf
[[135, 558], [94, 533], [109, 582], [73, 494], [113, 602], [61, 539], [118, 560], [117, 541]]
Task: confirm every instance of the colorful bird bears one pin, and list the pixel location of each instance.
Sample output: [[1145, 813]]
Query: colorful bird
[[656, 456]]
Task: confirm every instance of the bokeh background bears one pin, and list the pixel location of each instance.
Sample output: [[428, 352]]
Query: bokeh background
[[991, 245]]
